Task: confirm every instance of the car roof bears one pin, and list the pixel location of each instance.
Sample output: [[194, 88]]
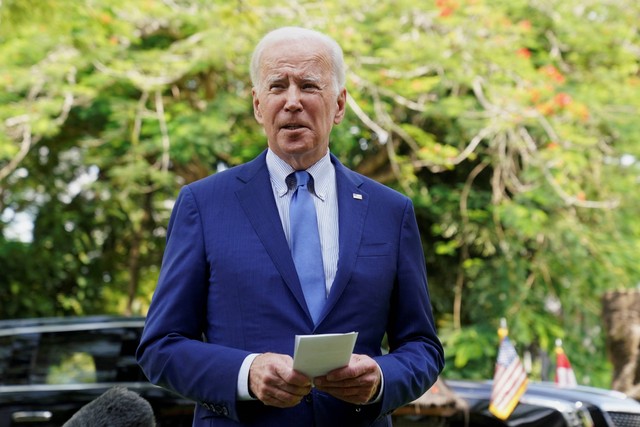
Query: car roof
[[10, 327]]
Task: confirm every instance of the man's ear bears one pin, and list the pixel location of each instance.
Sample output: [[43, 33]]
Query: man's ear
[[256, 106], [342, 105]]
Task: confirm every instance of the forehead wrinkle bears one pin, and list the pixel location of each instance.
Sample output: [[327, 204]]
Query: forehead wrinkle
[[307, 69]]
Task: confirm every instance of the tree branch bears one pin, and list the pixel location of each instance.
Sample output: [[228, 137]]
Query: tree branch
[[464, 253], [25, 145], [574, 201], [383, 135], [166, 142]]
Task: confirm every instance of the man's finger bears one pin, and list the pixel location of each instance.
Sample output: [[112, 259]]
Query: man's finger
[[273, 381]]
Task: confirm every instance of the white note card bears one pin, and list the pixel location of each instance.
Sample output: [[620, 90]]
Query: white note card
[[316, 355]]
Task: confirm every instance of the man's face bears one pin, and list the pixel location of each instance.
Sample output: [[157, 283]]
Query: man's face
[[296, 101]]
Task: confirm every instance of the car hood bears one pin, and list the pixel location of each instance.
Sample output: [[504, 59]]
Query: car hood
[[606, 400]]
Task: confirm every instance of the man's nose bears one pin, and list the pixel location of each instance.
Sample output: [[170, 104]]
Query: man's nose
[[293, 100]]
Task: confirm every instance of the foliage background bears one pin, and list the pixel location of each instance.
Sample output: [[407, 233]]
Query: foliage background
[[513, 125]]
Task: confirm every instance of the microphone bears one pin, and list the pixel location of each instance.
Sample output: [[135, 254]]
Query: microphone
[[117, 407]]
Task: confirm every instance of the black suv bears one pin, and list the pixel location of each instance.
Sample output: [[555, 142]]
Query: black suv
[[50, 368], [547, 405]]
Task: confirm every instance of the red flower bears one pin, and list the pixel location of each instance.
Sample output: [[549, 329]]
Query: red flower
[[447, 7], [562, 99], [553, 73], [525, 25], [523, 52]]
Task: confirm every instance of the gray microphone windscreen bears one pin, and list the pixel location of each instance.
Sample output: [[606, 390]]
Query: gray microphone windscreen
[[117, 407]]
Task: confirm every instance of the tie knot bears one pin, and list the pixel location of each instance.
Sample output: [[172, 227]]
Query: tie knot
[[297, 179], [302, 177]]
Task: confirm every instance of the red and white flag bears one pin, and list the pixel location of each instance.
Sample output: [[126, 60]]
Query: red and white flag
[[565, 376], [510, 379]]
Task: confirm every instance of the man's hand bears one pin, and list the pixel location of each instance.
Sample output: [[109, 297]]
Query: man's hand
[[274, 382], [357, 383]]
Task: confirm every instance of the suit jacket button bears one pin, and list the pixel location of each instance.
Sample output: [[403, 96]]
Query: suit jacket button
[[308, 398]]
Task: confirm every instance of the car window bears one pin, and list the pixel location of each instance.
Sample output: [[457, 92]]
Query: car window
[[15, 358], [72, 368], [69, 357]]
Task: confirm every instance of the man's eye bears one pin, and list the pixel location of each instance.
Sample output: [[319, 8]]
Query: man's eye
[[276, 86]]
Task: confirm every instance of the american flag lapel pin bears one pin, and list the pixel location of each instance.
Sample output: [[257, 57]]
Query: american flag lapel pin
[[357, 196]]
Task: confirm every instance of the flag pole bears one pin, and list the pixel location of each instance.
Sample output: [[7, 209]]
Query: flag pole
[[503, 331]]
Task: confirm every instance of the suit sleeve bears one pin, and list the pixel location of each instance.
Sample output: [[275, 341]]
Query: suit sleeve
[[172, 352], [416, 356]]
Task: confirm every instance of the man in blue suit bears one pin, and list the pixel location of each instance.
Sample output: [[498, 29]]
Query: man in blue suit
[[232, 296]]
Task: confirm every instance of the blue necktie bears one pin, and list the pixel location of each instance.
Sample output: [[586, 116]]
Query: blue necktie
[[305, 245]]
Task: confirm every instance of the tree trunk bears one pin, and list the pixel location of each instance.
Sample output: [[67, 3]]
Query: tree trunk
[[621, 313]]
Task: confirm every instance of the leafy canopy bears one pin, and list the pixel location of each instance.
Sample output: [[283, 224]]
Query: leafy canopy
[[511, 124]]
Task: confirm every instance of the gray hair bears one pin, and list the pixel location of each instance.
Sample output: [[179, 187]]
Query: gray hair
[[297, 34]]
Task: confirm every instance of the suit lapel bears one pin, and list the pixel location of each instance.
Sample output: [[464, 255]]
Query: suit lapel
[[256, 199], [352, 208]]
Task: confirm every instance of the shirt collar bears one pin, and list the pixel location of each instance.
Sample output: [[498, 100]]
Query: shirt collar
[[322, 172]]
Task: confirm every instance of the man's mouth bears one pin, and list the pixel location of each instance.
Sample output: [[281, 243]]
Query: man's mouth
[[293, 127]]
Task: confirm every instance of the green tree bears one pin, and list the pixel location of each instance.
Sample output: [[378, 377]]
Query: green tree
[[512, 125]]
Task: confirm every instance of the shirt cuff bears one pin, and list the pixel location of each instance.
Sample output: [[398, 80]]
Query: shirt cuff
[[243, 378], [379, 395]]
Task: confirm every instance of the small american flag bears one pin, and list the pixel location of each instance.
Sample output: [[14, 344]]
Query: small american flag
[[509, 381]]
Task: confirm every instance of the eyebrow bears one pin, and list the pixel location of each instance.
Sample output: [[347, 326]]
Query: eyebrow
[[274, 79], [305, 79]]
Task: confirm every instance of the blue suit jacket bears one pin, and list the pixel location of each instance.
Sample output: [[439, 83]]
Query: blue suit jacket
[[228, 287]]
